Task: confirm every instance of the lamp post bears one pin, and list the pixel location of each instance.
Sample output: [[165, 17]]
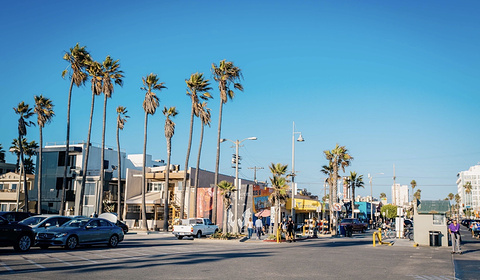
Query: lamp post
[[371, 195], [235, 206], [300, 139]]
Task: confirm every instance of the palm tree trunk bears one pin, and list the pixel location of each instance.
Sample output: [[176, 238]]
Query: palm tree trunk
[[333, 216], [102, 158], [166, 197], [225, 219], [217, 164], [87, 153], [197, 173], [182, 201], [119, 175], [275, 223], [25, 187], [39, 173], [67, 147], [144, 210], [353, 200]]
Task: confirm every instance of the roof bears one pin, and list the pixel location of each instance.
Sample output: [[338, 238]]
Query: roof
[[433, 207]]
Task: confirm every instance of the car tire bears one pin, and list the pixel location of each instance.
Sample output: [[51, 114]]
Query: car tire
[[113, 241], [199, 234], [23, 244], [71, 243], [179, 237], [44, 247]]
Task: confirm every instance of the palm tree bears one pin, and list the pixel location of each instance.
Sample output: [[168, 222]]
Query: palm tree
[[468, 190], [94, 70], [450, 197], [78, 58], [198, 87], [458, 198], [383, 195], [279, 194], [418, 194], [338, 158], [121, 120], [15, 149], [354, 182], [205, 118], [24, 112], [150, 104], [2, 154], [110, 71], [169, 131], [226, 190], [225, 74], [45, 113]]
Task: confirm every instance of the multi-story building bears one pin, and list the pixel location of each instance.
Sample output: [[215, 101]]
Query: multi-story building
[[6, 167], [469, 200], [400, 195], [12, 192]]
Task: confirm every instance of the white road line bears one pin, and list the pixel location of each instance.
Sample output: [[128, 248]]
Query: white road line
[[88, 260], [57, 259], [6, 266], [34, 263]]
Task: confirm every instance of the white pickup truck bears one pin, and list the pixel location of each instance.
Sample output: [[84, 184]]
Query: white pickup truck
[[194, 228]]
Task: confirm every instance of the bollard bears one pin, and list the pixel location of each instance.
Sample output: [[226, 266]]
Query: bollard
[[278, 235]]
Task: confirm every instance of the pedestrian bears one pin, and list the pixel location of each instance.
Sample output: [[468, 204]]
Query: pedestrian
[[314, 225], [250, 227], [259, 227], [290, 230], [454, 230]]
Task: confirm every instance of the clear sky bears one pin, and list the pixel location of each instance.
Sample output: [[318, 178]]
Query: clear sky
[[396, 82]]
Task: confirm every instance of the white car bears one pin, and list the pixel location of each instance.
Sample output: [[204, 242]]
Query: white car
[[195, 228]]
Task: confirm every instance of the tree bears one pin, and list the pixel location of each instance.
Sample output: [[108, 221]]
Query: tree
[[94, 70], [169, 132], [150, 104], [337, 158], [24, 112], [226, 190], [78, 59], [121, 120], [450, 197], [225, 74], [383, 195], [354, 181], [468, 190], [111, 74], [2, 154], [458, 198], [205, 118], [198, 87], [417, 195], [44, 110], [279, 190], [390, 211]]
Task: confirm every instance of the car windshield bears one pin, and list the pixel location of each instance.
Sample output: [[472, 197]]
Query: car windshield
[[32, 221], [76, 223], [347, 221]]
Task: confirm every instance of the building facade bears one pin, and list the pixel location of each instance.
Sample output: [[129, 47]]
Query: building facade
[[400, 195], [469, 200], [12, 192]]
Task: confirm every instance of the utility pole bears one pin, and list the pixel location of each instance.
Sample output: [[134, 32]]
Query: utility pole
[[255, 168], [394, 196]]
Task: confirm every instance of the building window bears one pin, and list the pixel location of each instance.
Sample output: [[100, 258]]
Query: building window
[[133, 208], [438, 219], [14, 187], [155, 187]]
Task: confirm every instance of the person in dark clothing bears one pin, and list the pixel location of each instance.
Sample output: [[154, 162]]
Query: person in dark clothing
[[290, 230]]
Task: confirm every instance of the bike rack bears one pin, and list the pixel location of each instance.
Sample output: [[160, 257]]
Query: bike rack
[[378, 235]]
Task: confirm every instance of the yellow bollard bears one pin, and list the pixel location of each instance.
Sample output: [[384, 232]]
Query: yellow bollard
[[304, 230], [278, 235]]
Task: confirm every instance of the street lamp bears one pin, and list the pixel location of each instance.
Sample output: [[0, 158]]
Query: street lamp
[[300, 139], [237, 144], [371, 195]]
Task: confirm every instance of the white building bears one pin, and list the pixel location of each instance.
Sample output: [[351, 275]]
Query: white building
[[400, 195], [469, 200]]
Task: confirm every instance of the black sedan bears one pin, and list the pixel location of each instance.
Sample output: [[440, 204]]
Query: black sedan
[[17, 235]]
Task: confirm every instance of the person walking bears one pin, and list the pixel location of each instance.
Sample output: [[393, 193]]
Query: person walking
[[290, 230], [454, 230], [250, 227], [259, 227]]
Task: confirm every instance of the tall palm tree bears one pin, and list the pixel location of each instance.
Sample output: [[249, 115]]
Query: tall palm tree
[[226, 190], [413, 183], [383, 195], [111, 73], [205, 118], [355, 181], [225, 74], [450, 197], [150, 104], [458, 198], [198, 88], [2, 154], [45, 113], [279, 194], [78, 58], [468, 190], [24, 112], [418, 194], [339, 158], [169, 132], [121, 120], [94, 70], [15, 149]]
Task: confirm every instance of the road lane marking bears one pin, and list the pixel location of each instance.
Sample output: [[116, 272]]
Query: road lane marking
[[34, 263], [6, 266], [57, 259]]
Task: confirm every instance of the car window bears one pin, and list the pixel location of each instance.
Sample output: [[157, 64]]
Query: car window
[[62, 221], [76, 223], [9, 217], [35, 220], [104, 223], [94, 223]]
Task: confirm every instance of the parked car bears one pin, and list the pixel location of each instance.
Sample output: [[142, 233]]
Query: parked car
[[195, 228], [81, 231], [354, 224], [19, 236], [122, 225], [112, 217], [13, 216], [44, 221]]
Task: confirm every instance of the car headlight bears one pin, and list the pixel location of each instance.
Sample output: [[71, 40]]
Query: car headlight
[[61, 234]]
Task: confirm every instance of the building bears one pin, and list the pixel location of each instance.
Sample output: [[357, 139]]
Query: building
[[430, 223], [469, 201], [400, 195], [10, 192], [6, 167]]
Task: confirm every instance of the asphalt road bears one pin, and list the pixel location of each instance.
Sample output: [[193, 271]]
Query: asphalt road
[[160, 256]]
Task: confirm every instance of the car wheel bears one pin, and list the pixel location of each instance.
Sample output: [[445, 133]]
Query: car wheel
[[44, 247], [113, 242], [23, 243], [72, 243], [199, 234], [180, 237]]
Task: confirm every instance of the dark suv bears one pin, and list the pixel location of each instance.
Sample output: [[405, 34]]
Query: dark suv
[[19, 236], [12, 216]]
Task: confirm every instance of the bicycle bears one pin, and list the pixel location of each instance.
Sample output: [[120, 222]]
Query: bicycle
[[388, 233]]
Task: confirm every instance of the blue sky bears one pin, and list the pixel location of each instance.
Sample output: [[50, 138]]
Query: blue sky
[[396, 82]]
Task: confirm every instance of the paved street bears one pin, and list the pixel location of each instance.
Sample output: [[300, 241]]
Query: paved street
[[160, 256]]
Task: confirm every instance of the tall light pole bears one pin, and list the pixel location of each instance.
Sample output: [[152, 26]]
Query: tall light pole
[[235, 206], [371, 195], [300, 139]]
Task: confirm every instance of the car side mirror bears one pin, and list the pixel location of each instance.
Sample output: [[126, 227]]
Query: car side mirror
[[88, 227], [47, 225]]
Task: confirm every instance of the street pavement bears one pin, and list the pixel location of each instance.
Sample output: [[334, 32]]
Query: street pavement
[[161, 256]]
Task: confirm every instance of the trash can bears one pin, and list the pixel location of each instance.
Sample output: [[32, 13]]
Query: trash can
[[434, 238]]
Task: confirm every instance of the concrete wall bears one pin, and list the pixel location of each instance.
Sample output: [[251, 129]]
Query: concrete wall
[[423, 223]]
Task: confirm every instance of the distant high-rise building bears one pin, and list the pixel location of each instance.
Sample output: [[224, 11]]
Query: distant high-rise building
[[469, 200], [400, 195]]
